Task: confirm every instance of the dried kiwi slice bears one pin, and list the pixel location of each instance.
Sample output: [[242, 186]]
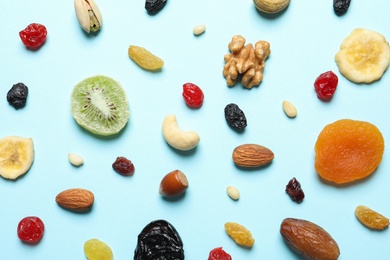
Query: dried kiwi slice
[[99, 104]]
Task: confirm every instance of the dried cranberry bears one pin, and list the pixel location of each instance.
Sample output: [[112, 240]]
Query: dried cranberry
[[193, 95], [17, 95], [30, 230], [294, 190], [219, 254], [123, 166], [34, 35], [325, 85]]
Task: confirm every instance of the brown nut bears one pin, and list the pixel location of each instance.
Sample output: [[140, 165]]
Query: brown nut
[[173, 184], [309, 239], [76, 199], [252, 155]]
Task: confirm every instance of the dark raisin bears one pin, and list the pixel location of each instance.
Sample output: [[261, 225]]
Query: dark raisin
[[154, 6], [17, 95], [123, 166], [235, 117], [294, 190], [340, 7], [159, 240]]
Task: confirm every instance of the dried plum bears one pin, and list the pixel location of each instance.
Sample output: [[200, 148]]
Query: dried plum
[[17, 95], [235, 117], [340, 7], [159, 240], [294, 190], [154, 6]]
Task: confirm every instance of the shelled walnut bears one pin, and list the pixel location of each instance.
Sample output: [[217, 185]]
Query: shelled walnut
[[245, 61]]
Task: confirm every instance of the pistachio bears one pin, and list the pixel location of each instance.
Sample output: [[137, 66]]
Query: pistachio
[[88, 15], [271, 6]]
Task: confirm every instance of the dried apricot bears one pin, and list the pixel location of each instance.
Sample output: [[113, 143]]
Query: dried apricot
[[348, 150], [371, 218], [240, 234]]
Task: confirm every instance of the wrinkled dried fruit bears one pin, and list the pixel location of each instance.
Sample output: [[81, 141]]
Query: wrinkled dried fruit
[[95, 249], [371, 218], [340, 7], [34, 35], [235, 117], [154, 6], [325, 85], [219, 254], [30, 230], [309, 239], [240, 234], [123, 166], [193, 95], [17, 95], [294, 190], [144, 58], [159, 240]]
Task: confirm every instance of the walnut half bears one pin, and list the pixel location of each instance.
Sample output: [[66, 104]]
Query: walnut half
[[245, 61]]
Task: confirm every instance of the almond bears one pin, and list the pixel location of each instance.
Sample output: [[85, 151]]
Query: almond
[[309, 239], [76, 199], [252, 155]]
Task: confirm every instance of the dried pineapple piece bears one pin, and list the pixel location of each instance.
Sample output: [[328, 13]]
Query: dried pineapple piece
[[363, 56]]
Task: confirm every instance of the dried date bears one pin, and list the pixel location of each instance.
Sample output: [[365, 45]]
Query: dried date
[[340, 7], [294, 190], [159, 240], [17, 95], [235, 117]]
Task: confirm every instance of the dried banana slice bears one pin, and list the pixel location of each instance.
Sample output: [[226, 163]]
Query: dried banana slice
[[16, 156], [363, 56]]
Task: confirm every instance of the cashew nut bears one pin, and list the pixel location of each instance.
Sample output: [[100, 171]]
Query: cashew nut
[[176, 137]]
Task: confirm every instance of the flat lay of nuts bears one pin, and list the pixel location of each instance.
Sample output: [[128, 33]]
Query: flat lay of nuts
[[252, 155], [271, 6], [245, 60], [173, 184], [233, 192], [371, 218], [199, 29], [75, 159], [88, 15], [176, 137], [289, 109], [308, 239], [75, 199]]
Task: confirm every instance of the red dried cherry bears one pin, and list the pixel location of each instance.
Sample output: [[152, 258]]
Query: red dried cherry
[[123, 166], [30, 229], [219, 254], [34, 35], [325, 85], [193, 95]]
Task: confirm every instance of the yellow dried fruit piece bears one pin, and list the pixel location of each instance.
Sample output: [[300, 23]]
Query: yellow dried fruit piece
[[95, 249], [144, 58], [371, 218], [240, 234]]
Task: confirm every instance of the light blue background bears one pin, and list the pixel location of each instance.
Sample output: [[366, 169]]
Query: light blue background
[[304, 40]]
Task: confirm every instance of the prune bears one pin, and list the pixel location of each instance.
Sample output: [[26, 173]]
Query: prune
[[17, 95], [159, 240], [123, 166], [294, 190], [154, 6], [340, 7], [235, 117]]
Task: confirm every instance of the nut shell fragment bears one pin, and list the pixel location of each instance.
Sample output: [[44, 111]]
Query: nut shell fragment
[[252, 155]]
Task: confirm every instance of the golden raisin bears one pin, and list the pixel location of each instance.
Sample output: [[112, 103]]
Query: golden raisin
[[240, 234], [348, 150], [371, 218], [144, 58]]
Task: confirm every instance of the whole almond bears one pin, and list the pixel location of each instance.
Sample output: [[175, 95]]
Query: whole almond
[[76, 199], [252, 155], [309, 239]]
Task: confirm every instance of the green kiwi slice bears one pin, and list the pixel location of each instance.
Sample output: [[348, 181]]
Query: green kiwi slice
[[99, 104]]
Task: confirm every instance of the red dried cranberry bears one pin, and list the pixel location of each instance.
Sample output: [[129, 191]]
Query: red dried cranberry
[[30, 230], [123, 166], [294, 190], [193, 95], [325, 85], [34, 35], [219, 254]]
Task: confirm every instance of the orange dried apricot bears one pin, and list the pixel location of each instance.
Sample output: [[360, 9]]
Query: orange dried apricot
[[348, 150]]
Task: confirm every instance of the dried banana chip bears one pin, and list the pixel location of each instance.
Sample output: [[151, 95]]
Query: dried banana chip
[[363, 56]]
